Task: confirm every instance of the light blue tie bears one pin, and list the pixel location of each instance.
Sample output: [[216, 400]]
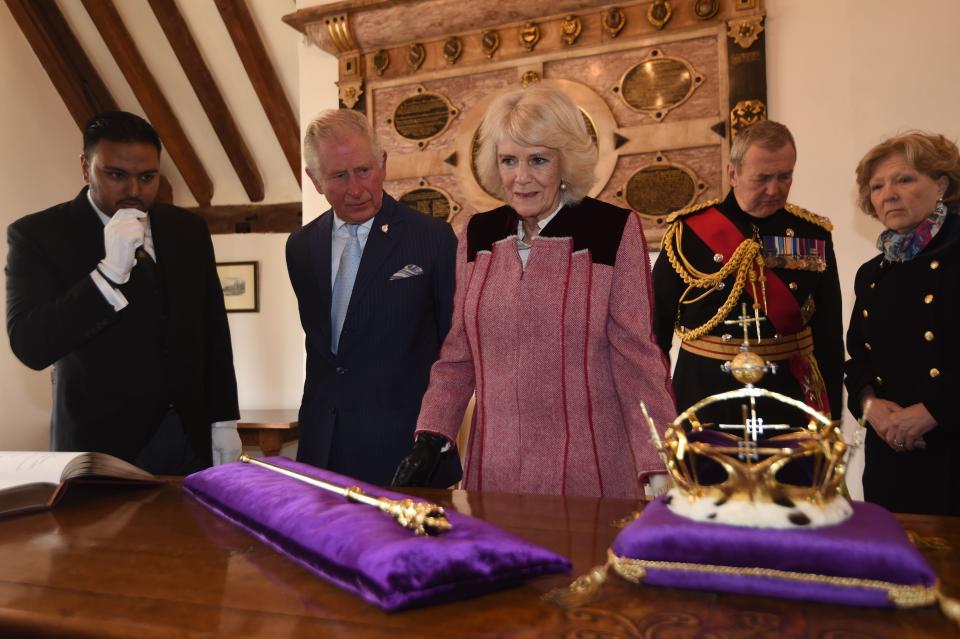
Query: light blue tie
[[343, 285]]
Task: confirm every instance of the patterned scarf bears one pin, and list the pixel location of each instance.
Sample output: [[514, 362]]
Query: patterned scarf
[[897, 247]]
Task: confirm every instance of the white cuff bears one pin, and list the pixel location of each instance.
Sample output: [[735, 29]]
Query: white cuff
[[114, 297]]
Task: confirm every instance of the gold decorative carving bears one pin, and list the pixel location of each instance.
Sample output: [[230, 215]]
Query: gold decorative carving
[[529, 77], [350, 92], [745, 113], [706, 9], [416, 54], [431, 201], [423, 116], [659, 14], [660, 188], [570, 29], [745, 32], [452, 49], [490, 42], [530, 35], [746, 5], [381, 61], [613, 21], [658, 84], [338, 28]]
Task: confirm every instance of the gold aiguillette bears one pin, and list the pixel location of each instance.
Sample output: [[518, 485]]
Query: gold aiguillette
[[423, 518]]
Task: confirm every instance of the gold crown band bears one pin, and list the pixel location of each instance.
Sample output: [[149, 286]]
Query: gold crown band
[[773, 349]]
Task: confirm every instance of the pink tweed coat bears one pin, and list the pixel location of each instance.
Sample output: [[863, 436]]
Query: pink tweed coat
[[560, 356]]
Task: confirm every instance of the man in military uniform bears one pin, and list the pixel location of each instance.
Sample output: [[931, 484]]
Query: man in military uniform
[[752, 248]]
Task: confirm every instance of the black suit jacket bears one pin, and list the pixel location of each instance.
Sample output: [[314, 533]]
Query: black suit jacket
[[360, 406], [116, 375]]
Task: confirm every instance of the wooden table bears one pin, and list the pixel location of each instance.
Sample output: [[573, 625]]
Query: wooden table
[[269, 429], [120, 561]]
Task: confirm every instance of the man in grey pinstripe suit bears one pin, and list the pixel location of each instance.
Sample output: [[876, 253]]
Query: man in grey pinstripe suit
[[369, 346]]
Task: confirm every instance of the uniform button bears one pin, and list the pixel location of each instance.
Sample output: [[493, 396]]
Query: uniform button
[[717, 257], [789, 232], [341, 370], [928, 336], [793, 286], [867, 346], [873, 285], [865, 313], [928, 298], [934, 265], [934, 372], [878, 379]]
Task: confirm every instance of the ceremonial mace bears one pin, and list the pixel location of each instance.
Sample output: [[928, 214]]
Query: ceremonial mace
[[423, 518]]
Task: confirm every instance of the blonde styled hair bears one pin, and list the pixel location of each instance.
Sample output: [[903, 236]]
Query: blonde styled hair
[[538, 116], [331, 124], [929, 153], [766, 133]]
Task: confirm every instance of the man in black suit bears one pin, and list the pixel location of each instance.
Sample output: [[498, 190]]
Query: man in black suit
[[121, 295], [374, 280]]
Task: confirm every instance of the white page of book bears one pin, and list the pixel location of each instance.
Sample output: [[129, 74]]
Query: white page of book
[[34, 466]]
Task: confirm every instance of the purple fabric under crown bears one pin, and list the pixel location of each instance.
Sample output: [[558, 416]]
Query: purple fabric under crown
[[360, 548], [870, 545]]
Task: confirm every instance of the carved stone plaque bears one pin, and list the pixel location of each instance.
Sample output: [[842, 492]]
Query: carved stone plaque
[[659, 84], [660, 190], [429, 201], [422, 116]]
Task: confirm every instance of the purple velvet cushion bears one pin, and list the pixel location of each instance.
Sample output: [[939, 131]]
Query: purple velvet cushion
[[361, 549], [870, 545]]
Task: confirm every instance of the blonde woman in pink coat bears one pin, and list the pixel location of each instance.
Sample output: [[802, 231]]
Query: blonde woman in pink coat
[[551, 322]]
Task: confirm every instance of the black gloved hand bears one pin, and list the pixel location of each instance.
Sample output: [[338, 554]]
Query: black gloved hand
[[418, 467]]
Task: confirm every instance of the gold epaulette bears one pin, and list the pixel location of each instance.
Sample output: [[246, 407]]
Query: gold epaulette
[[699, 206], [813, 218]]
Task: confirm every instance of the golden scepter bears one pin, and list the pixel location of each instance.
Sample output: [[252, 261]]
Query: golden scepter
[[423, 518]]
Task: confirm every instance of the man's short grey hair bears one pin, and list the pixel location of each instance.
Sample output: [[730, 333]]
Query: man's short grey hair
[[331, 124], [766, 133]]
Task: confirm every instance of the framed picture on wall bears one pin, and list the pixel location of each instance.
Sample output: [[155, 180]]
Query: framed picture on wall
[[240, 286]]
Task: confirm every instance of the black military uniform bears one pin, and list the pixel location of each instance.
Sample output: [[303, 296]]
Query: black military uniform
[[710, 265], [904, 342]]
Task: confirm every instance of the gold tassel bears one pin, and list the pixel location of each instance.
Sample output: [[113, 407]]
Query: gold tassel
[[583, 590], [949, 607]]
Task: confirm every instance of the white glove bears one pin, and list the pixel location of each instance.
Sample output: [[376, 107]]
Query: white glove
[[226, 442], [121, 237]]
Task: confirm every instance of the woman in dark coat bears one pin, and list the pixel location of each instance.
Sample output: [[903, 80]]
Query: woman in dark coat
[[904, 335]]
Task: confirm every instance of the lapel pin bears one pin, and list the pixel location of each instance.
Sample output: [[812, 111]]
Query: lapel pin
[[385, 228]]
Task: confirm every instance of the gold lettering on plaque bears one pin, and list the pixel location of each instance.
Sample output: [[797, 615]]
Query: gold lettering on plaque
[[430, 201], [662, 188], [613, 21], [658, 84], [745, 32], [530, 35], [415, 55], [570, 29], [423, 116], [659, 14], [381, 61], [490, 42], [745, 113], [452, 49]]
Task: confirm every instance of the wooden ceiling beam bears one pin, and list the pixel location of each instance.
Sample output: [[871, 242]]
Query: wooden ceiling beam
[[114, 33], [243, 31], [62, 57], [284, 217], [188, 53]]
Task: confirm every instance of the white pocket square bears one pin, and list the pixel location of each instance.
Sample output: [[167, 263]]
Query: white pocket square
[[410, 270]]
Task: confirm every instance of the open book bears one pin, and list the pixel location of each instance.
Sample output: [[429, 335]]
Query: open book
[[36, 480]]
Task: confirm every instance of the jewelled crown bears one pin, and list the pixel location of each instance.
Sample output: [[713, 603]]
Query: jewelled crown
[[766, 475]]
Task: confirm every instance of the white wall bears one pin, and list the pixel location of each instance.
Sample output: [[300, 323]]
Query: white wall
[[845, 74]]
